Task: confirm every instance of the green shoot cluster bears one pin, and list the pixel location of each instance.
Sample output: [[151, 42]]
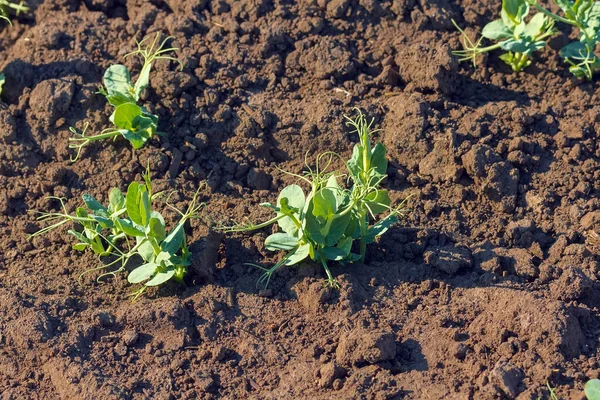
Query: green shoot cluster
[[520, 39], [6, 7], [135, 123], [129, 227], [324, 223]]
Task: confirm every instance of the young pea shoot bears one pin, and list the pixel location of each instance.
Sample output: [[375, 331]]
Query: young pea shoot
[[7, 6], [323, 223], [131, 121], [518, 38], [584, 15], [126, 228]]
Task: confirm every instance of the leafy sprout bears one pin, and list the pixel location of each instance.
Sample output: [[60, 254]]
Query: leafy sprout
[[131, 121], [126, 229], [512, 33], [584, 15], [324, 222]]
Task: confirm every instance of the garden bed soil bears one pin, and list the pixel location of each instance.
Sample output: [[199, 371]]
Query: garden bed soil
[[487, 289]]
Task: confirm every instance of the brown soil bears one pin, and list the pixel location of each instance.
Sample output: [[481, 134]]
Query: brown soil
[[487, 290]]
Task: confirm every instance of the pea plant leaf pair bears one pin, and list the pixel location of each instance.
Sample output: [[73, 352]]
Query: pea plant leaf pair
[[323, 223], [129, 229], [131, 121], [518, 38]]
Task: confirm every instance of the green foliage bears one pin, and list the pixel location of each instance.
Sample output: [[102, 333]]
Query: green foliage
[[6, 7], [592, 389], [519, 39], [1, 82], [131, 121], [323, 223], [129, 227], [584, 15]]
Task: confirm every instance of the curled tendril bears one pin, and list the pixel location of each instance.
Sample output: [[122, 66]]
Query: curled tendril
[[151, 53], [470, 49]]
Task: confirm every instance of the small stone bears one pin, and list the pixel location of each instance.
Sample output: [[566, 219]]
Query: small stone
[[361, 346], [329, 373], [104, 319], [129, 338], [449, 259], [508, 378]]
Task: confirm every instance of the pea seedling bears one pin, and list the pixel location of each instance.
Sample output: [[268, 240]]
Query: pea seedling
[[129, 227], [324, 223], [584, 15], [6, 6], [518, 38], [135, 123]]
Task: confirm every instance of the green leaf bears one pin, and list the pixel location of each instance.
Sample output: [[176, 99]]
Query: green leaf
[[172, 243], [325, 203], [79, 236], [128, 227], [378, 160], [116, 200], [313, 226], [496, 30], [577, 51], [138, 204], [156, 228], [93, 204], [592, 389], [104, 222], [118, 81], [145, 249], [535, 25], [339, 252], [280, 241], [161, 277], [522, 45], [2, 80], [295, 199], [80, 246], [337, 228], [142, 81], [117, 99], [97, 245], [299, 255], [142, 273], [378, 201], [564, 4], [353, 228], [354, 163], [125, 114], [513, 12], [380, 228], [137, 139]]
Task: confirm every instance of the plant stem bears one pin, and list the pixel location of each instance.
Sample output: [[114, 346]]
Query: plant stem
[[364, 225], [555, 17]]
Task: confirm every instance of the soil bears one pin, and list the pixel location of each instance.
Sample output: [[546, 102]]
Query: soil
[[488, 289]]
